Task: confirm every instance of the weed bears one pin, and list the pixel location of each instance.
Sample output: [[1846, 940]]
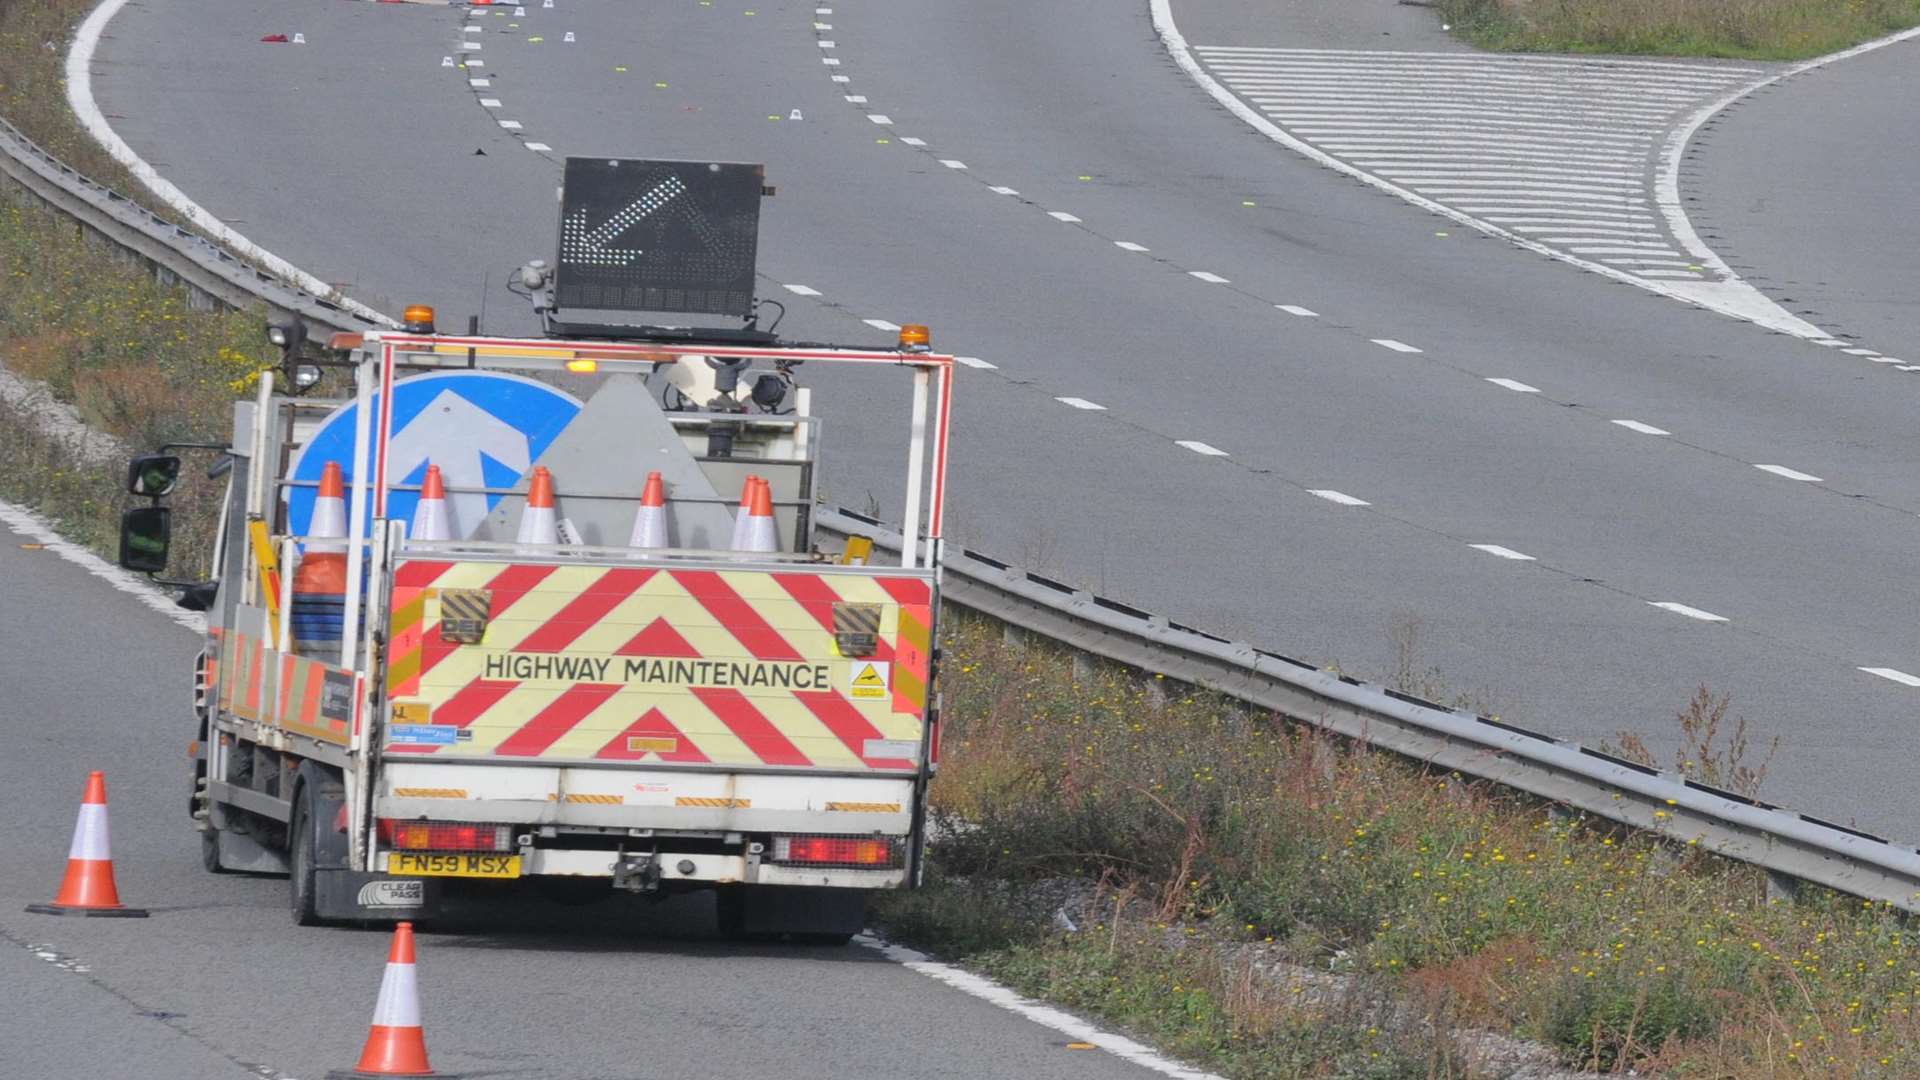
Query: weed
[[1750, 29]]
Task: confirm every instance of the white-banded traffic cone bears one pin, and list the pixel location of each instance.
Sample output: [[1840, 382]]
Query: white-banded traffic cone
[[650, 521], [88, 887], [740, 516], [430, 520], [396, 1043], [538, 525], [759, 534]]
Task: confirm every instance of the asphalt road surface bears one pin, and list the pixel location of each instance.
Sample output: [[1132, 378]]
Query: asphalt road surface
[[218, 982], [1075, 107], [1041, 184]]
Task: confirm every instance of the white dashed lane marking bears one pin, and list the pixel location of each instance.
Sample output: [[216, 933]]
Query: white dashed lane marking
[[1199, 447], [1791, 474], [975, 362], [880, 118], [1644, 429], [1128, 245], [1208, 277], [911, 141], [538, 146], [1396, 346], [1296, 309], [801, 290], [1081, 403], [881, 324], [952, 164], [1515, 385], [1895, 674], [1003, 191], [1689, 612], [1562, 150], [1061, 215], [1339, 497], [1502, 552]]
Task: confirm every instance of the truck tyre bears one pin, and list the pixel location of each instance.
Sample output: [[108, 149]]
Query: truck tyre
[[302, 888]]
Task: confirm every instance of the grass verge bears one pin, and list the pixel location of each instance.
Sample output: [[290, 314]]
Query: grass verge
[[1442, 903], [1744, 29], [34, 35], [131, 356]]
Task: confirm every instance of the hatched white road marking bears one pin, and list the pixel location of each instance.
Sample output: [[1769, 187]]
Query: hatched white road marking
[[1081, 403], [1296, 309], [1342, 498], [1895, 674], [1644, 429], [1515, 385], [1199, 447], [1791, 474], [801, 290], [1207, 276], [1689, 612], [1396, 346], [1517, 135], [1503, 552]]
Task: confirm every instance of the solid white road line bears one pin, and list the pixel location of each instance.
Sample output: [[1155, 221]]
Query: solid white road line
[[1128, 245], [1895, 674], [976, 362], [1689, 612], [29, 524], [1396, 346], [1791, 474], [1296, 309], [1206, 276], [1061, 215], [801, 290], [1339, 497], [1515, 385], [1199, 447], [881, 324], [1502, 552], [1644, 429], [1080, 403], [1071, 1026]]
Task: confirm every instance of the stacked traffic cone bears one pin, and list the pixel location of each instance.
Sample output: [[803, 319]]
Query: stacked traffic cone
[[396, 1045], [538, 525], [759, 534], [320, 584], [430, 515], [650, 521], [88, 887]]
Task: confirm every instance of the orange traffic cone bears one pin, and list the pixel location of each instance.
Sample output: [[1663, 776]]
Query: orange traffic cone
[[740, 517], [396, 1045], [430, 515], [88, 887], [650, 522], [538, 525], [320, 583], [759, 534]]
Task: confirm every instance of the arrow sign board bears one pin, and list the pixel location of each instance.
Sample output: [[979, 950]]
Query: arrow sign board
[[658, 236], [484, 429]]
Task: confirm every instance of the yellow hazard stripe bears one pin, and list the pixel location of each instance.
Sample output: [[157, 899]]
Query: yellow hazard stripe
[[724, 804], [865, 807], [429, 793], [591, 800]]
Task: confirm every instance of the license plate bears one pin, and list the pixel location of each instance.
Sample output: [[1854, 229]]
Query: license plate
[[428, 865]]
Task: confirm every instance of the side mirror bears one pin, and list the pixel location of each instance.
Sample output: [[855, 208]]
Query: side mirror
[[153, 475], [145, 534]]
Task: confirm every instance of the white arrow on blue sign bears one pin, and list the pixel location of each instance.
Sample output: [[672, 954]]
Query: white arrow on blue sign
[[484, 429]]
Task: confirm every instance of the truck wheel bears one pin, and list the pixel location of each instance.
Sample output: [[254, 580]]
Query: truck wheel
[[302, 888]]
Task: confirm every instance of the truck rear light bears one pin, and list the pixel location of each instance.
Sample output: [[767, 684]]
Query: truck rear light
[[856, 851], [445, 836]]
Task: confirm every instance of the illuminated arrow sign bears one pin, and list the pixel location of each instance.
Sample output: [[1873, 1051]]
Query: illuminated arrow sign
[[588, 247]]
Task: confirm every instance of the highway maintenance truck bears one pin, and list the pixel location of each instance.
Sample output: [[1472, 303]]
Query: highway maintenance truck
[[552, 607]]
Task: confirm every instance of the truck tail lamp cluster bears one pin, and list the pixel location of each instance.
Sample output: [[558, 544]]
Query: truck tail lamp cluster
[[444, 836], [861, 852]]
